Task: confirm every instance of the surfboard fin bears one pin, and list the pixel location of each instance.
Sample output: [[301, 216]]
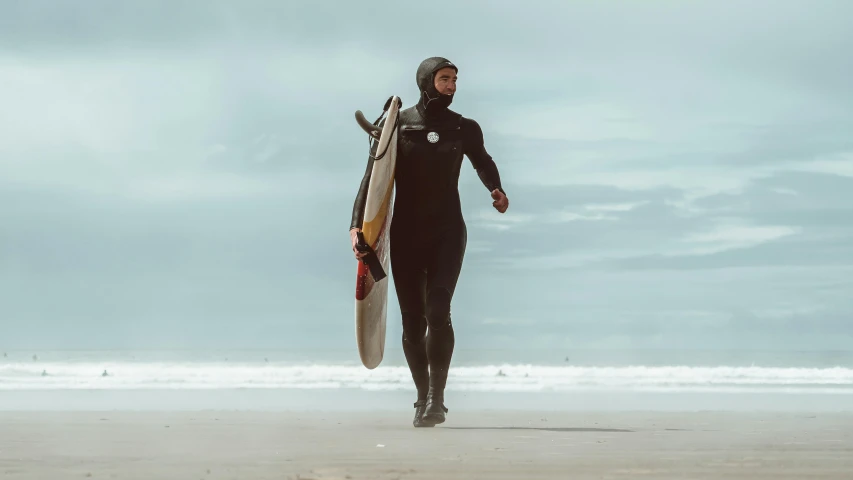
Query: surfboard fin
[[373, 130], [371, 259]]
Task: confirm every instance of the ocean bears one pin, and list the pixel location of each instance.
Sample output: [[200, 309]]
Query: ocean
[[530, 371]]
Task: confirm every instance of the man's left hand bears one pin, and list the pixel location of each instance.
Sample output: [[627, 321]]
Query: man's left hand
[[501, 203]]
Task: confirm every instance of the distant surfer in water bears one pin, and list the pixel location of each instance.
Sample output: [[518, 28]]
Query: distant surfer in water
[[428, 233]]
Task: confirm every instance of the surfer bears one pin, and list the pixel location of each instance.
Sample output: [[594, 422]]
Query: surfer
[[428, 234]]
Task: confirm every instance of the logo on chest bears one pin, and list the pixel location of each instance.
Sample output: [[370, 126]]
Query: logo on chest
[[432, 137]]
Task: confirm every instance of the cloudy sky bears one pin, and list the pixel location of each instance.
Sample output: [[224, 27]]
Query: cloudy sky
[[181, 174]]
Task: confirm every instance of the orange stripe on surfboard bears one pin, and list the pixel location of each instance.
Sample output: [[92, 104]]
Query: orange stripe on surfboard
[[372, 228]]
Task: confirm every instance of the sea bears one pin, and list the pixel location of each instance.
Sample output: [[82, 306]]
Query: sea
[[304, 378]]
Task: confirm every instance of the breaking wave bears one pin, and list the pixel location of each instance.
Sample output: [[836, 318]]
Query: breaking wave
[[506, 378]]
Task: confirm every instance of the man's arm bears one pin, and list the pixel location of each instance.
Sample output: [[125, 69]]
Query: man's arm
[[475, 150], [361, 196]]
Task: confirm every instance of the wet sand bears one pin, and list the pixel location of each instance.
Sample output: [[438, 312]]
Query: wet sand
[[383, 445]]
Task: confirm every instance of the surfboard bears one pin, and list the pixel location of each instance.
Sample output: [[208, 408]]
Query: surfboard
[[371, 287]]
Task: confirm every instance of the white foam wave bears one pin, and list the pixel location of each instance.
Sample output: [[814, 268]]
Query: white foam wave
[[506, 378]]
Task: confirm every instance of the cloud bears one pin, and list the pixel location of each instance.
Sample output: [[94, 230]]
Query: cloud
[[169, 169], [198, 187], [732, 235], [841, 165], [591, 212], [755, 225]]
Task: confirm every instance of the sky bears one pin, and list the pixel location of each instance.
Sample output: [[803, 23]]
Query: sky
[[181, 174]]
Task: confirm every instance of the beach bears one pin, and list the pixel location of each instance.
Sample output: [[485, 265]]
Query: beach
[[502, 444], [256, 415]]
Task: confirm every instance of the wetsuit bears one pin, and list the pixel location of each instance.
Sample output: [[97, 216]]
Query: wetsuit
[[428, 233]]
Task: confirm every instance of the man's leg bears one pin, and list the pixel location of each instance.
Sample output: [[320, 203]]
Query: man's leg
[[443, 268], [409, 274]]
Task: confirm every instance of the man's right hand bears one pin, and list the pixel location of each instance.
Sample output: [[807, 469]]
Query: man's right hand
[[354, 239]]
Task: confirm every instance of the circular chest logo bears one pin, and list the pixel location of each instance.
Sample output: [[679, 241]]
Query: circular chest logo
[[432, 137]]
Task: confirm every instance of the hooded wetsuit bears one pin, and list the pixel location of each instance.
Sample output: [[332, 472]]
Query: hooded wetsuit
[[428, 233]]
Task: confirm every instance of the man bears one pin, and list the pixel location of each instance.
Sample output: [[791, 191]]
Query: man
[[428, 233]]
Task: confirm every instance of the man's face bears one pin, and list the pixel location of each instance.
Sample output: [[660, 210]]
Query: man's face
[[445, 81]]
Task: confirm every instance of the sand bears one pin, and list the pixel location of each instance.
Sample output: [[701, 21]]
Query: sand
[[383, 445]]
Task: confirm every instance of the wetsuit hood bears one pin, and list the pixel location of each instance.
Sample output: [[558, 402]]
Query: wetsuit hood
[[431, 101]]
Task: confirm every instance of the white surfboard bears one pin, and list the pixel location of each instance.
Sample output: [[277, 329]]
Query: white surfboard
[[371, 297]]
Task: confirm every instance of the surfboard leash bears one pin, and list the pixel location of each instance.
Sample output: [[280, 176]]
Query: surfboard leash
[[370, 139]]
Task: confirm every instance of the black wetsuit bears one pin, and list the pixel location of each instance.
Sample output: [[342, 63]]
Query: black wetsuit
[[428, 233]]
